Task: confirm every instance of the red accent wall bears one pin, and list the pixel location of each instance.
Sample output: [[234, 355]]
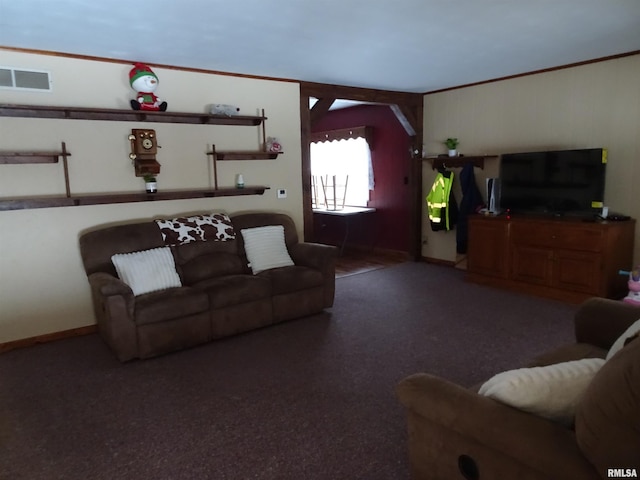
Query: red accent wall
[[388, 227]]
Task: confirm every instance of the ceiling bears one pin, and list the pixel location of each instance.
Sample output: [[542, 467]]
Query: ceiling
[[404, 45]]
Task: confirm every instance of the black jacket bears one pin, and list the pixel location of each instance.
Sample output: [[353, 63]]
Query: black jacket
[[471, 202]]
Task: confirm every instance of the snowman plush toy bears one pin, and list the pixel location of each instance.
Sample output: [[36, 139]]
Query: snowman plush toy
[[145, 82]]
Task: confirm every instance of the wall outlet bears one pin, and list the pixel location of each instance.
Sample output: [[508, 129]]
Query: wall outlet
[[282, 193]]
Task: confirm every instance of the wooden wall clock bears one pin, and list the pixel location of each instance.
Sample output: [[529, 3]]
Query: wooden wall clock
[[144, 147]]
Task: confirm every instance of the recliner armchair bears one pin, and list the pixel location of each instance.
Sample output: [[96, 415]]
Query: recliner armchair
[[454, 432]]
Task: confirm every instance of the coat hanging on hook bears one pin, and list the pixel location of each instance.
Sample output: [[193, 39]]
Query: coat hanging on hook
[[471, 203], [441, 203]]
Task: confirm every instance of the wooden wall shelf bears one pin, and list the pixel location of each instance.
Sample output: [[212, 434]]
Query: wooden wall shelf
[[244, 155], [7, 158], [77, 113], [217, 155], [101, 199], [458, 162]]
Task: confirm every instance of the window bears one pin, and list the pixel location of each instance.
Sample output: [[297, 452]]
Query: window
[[341, 158]]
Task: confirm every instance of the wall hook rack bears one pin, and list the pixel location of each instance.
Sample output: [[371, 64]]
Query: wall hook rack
[[446, 161]]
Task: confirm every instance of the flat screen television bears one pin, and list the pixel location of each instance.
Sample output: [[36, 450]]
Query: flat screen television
[[561, 182]]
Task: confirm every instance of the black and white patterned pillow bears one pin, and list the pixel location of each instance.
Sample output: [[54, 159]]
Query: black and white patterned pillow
[[196, 228]]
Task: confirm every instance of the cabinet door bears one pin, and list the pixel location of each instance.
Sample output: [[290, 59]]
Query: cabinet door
[[577, 271], [531, 264], [488, 247]]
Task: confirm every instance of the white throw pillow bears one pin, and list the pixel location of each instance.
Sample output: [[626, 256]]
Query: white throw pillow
[[148, 270], [553, 391], [265, 248], [619, 343]]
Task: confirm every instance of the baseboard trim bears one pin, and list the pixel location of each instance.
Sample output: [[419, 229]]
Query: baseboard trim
[[49, 337]]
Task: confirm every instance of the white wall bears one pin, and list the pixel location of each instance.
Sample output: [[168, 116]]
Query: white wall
[[591, 106], [43, 287]]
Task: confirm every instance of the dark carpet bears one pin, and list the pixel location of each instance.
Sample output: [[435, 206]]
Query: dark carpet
[[309, 399]]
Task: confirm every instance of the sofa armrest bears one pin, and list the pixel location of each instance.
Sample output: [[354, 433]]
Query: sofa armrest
[[314, 255], [600, 321], [104, 285], [322, 258], [114, 307], [109, 285], [531, 440]]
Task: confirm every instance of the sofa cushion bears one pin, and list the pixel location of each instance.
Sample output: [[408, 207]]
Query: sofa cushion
[[210, 266], [293, 279], [265, 248], [633, 329], [98, 246], [148, 270], [552, 391], [608, 417], [211, 227], [235, 289], [263, 219], [156, 307]]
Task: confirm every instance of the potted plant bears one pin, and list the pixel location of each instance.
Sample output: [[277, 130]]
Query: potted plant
[[452, 145], [150, 183]]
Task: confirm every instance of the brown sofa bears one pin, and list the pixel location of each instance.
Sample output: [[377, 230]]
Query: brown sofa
[[219, 295], [455, 432]]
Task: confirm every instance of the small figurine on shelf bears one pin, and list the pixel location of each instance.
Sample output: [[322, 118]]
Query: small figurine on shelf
[[273, 145], [223, 109], [145, 82], [634, 287], [150, 183]]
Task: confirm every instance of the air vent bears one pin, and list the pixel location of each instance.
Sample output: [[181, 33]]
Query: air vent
[[25, 79]]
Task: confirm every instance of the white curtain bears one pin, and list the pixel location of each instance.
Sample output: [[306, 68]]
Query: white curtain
[[345, 157]]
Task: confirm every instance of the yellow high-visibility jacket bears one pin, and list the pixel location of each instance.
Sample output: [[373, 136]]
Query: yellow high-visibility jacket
[[440, 202]]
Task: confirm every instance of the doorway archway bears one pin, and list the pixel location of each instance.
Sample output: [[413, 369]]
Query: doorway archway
[[408, 109]]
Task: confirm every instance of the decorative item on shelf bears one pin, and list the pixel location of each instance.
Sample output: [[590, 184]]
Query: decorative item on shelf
[[144, 82], [633, 297], [150, 183], [273, 145], [239, 181], [452, 145], [222, 109], [144, 147]]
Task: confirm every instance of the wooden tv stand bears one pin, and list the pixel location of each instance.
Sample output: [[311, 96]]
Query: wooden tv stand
[[564, 258]]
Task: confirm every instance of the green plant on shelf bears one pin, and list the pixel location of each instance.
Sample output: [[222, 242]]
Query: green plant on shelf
[[452, 143]]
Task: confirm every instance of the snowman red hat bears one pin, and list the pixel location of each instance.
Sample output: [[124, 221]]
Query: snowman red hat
[[140, 70]]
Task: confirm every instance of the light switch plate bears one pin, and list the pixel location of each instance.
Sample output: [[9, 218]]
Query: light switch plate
[[282, 193]]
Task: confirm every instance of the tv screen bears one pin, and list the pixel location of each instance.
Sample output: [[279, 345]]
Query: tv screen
[[562, 182]]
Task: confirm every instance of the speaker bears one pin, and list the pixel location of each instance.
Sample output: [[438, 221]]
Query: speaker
[[493, 195]]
